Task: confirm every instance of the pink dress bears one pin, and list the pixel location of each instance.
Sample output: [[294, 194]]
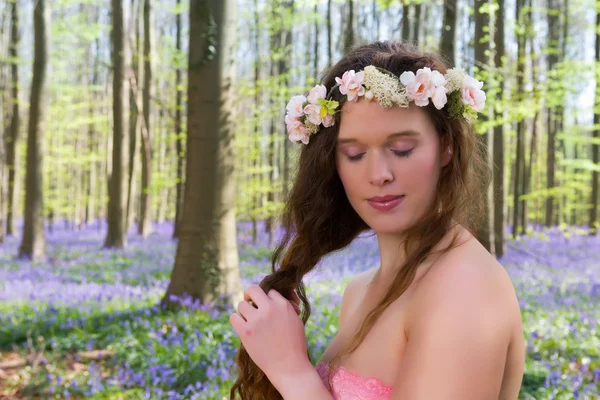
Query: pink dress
[[348, 385]]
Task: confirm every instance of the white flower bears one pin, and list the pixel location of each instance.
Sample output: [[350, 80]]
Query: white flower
[[296, 129], [328, 121], [424, 85], [313, 113], [295, 106], [472, 93], [439, 98], [316, 93], [351, 84]]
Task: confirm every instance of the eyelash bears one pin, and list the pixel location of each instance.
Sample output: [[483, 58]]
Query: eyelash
[[401, 154]]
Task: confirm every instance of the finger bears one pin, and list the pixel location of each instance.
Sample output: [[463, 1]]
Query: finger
[[257, 295], [297, 308], [238, 324], [246, 310], [276, 296], [295, 298]]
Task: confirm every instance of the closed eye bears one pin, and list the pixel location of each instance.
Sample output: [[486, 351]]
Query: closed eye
[[404, 153], [356, 157], [398, 153]]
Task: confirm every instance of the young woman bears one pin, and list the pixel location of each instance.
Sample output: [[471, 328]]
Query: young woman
[[388, 146]]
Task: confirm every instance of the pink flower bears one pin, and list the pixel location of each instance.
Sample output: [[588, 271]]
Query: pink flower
[[418, 87], [316, 93], [472, 93], [313, 111], [328, 121], [296, 130], [439, 97], [294, 106], [351, 84]]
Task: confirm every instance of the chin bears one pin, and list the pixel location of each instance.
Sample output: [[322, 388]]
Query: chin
[[388, 224]]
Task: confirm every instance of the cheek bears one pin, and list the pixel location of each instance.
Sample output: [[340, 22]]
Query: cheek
[[424, 168], [353, 187], [349, 180]]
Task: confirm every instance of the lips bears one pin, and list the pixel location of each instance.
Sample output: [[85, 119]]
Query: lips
[[383, 199], [385, 203]]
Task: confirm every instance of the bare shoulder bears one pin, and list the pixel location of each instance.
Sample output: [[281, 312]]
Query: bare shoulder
[[461, 326], [468, 276]]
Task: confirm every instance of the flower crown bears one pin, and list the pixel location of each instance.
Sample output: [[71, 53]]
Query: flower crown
[[462, 92]]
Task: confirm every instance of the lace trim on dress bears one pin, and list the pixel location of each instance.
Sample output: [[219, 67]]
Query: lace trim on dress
[[349, 385]]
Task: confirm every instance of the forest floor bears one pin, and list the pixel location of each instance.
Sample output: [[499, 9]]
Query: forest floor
[[86, 323]]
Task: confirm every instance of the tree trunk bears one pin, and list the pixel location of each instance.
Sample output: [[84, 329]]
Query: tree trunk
[[416, 25], [135, 128], [145, 221], [93, 146], [593, 221], [178, 128], [533, 144], [117, 235], [284, 67], [405, 22], [375, 16], [206, 262], [33, 245], [553, 26], [257, 118], [448, 42], [316, 43], [329, 44], [13, 132], [161, 140], [349, 32], [480, 48], [560, 110], [498, 145], [519, 162]]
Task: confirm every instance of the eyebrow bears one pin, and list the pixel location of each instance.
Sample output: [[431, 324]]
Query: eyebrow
[[408, 132]]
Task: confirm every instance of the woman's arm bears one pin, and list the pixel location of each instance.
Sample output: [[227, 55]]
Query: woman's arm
[[306, 384]]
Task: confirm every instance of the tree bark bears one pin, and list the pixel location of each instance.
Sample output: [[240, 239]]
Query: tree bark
[[416, 25], [117, 235], [533, 144], [329, 44], [284, 67], [498, 145], [593, 218], [448, 42], [145, 221], [349, 32], [135, 128], [316, 43], [405, 21], [553, 26], [13, 132], [206, 262], [33, 244], [481, 59], [519, 160], [178, 128]]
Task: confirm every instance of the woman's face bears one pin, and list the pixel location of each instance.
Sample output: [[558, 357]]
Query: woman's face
[[389, 152]]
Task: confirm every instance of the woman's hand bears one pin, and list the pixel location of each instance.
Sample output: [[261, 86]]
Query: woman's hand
[[271, 332]]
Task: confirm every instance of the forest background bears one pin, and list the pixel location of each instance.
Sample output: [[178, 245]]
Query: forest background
[[119, 172]]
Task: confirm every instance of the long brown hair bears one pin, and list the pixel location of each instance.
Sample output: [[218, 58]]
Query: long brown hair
[[319, 219]]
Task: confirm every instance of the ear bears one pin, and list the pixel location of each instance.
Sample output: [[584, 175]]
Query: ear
[[446, 150]]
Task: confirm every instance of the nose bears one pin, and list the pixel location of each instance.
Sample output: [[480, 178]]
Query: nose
[[379, 169]]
